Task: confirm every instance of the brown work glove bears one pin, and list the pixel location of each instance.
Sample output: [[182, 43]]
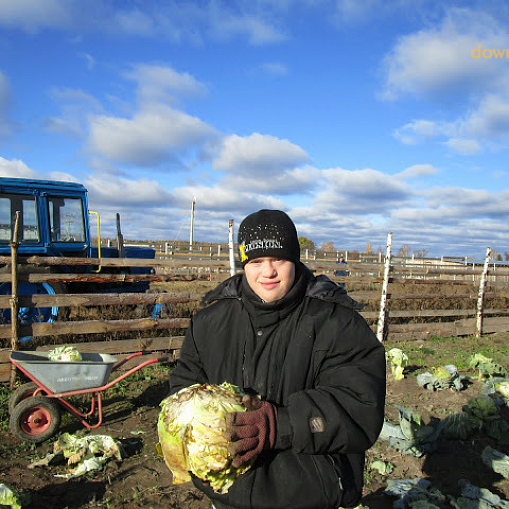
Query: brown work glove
[[251, 432]]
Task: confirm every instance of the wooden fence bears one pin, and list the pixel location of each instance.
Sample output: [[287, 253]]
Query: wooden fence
[[404, 300]]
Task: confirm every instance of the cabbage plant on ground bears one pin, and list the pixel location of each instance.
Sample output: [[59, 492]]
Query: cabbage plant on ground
[[443, 377], [398, 361], [191, 428], [486, 367], [11, 498], [411, 436]]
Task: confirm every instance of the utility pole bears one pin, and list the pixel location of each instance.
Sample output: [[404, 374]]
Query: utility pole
[[192, 224]]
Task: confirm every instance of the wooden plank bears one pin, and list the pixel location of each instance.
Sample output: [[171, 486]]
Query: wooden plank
[[100, 299], [457, 327], [495, 324], [96, 326], [125, 346]]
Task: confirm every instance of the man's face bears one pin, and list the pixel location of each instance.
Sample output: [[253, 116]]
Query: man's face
[[270, 278]]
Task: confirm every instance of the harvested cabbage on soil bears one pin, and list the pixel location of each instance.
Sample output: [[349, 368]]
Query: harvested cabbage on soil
[[65, 353], [191, 428]]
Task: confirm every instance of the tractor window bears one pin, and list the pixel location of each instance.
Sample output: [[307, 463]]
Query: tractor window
[[28, 227], [66, 219]]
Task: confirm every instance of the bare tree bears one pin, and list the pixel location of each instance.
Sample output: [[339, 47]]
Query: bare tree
[[404, 251], [421, 253], [327, 246]]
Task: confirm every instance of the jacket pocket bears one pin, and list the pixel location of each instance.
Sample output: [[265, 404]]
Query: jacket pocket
[[330, 482]]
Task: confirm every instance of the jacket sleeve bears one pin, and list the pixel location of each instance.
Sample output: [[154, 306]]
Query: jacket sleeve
[[189, 369], [344, 411]]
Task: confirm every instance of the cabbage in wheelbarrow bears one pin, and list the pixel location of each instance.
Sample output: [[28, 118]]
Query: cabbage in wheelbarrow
[[191, 428]]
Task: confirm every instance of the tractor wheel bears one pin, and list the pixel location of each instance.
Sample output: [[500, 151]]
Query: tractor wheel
[[35, 419], [22, 392]]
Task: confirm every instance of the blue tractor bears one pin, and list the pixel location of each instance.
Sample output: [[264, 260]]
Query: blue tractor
[[54, 222]]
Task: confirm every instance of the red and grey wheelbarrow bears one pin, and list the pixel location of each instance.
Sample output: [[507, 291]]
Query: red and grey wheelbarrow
[[36, 407]]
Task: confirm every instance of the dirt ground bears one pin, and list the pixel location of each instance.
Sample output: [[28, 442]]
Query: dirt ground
[[142, 480]]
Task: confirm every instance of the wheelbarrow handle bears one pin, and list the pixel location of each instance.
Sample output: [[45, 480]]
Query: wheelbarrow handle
[[164, 358]]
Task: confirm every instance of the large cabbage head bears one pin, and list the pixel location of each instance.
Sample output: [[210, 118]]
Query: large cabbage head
[[191, 428]]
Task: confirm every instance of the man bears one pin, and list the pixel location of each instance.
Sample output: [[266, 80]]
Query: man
[[316, 369], [341, 273]]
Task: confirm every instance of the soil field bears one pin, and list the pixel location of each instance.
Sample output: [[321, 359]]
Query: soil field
[[141, 479]]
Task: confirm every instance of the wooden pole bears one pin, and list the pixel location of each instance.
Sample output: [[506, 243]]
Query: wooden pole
[[14, 244], [120, 239], [230, 247], [383, 301], [480, 298], [193, 203]]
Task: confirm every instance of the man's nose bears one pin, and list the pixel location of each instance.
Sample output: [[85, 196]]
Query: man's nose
[[268, 269]]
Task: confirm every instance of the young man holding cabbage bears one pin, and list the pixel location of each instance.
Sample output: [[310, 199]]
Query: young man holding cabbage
[[313, 369]]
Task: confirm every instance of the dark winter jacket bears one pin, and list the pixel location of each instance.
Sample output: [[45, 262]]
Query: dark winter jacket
[[314, 357]]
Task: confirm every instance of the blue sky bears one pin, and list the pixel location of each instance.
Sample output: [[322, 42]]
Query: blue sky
[[358, 118]]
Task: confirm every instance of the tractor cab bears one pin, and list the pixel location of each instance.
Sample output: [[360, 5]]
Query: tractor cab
[[53, 218]]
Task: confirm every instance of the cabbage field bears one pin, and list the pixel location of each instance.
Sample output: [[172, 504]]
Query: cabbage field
[[455, 466]]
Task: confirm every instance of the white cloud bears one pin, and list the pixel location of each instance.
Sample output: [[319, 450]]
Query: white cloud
[[149, 137], [463, 146], [158, 83], [134, 22], [225, 197], [218, 19], [35, 15], [437, 62], [227, 20], [15, 168], [366, 191], [75, 105], [487, 121], [111, 192], [258, 155], [416, 131], [297, 181], [156, 132], [417, 170], [474, 202]]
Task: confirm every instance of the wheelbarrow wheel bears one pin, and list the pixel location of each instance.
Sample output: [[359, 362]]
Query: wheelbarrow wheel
[[35, 419], [22, 392]]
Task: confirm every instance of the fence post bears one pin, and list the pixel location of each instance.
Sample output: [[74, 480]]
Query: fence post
[[230, 247], [480, 298], [14, 244], [383, 301]]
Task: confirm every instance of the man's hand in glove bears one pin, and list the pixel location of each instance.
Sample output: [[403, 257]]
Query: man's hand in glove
[[251, 432]]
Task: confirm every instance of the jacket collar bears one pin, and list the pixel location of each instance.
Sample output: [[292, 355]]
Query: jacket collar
[[316, 287]]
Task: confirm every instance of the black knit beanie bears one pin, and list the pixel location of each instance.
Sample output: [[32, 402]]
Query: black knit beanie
[[268, 233]]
